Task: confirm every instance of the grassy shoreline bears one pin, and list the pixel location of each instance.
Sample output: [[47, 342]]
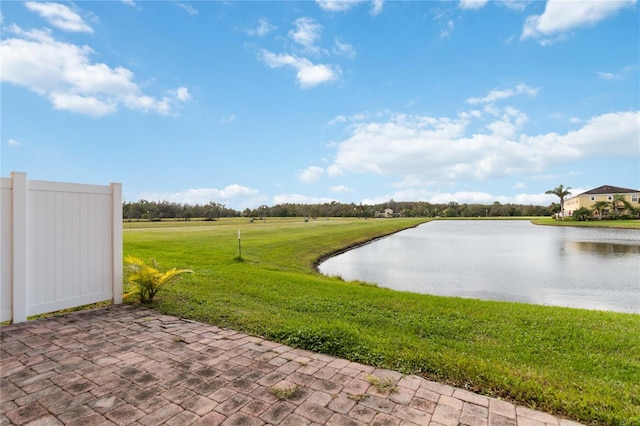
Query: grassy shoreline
[[620, 224], [577, 363]]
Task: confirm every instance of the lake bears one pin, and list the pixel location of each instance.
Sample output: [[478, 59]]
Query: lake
[[592, 268]]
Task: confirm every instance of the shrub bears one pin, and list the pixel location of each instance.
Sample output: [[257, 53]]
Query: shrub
[[149, 280]]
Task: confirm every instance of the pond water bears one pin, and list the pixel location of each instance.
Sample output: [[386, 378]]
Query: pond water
[[592, 268]]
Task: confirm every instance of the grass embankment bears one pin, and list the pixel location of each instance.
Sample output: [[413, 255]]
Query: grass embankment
[[626, 224], [579, 363]]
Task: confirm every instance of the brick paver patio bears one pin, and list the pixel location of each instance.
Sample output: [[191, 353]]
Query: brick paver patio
[[126, 365]]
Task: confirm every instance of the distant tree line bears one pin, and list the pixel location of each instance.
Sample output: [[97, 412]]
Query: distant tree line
[[155, 211], [152, 210]]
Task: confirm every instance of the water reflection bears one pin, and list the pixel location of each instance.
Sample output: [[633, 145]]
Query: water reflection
[[604, 249], [504, 260]]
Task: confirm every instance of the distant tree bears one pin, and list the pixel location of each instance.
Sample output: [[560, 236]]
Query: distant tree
[[615, 204], [561, 192], [599, 207], [582, 213]]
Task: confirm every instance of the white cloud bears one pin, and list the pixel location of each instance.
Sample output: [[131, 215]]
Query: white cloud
[[497, 95], [345, 5], [228, 119], [64, 73], [262, 29], [306, 33], [131, 3], [472, 4], [344, 49], [340, 188], [337, 5], [14, 142], [561, 16], [188, 8], [439, 149], [310, 174], [376, 7], [202, 195], [299, 199], [514, 4], [621, 74], [308, 74], [336, 120], [182, 94], [60, 16], [447, 29]]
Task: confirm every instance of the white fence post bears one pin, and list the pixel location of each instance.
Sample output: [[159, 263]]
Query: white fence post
[[116, 241], [19, 246]]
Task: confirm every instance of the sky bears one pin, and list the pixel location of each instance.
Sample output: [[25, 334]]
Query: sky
[[259, 103]]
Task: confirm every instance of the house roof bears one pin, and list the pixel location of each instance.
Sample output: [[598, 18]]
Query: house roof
[[608, 189]]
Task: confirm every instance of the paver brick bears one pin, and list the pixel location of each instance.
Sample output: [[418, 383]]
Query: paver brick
[[341, 404], [320, 398], [47, 421], [75, 413], [314, 412], [411, 414], [342, 420], [295, 420], [242, 419], [124, 415], [233, 404], [161, 414], [536, 415], [402, 396], [502, 408], [277, 412], [446, 415], [530, 422], [211, 419], [382, 419], [467, 419], [255, 407], [184, 418], [199, 405], [379, 404], [326, 386], [450, 402], [25, 414], [471, 397], [152, 404]]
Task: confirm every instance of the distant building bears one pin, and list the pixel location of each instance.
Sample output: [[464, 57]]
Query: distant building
[[604, 193], [387, 213]]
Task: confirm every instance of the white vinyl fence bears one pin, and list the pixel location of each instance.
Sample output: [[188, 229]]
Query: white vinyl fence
[[61, 246]]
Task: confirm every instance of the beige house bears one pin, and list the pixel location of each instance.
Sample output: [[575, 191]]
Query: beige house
[[387, 213], [604, 193]]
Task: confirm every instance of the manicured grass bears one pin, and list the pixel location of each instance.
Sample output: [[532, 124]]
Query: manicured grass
[[627, 223], [578, 363]]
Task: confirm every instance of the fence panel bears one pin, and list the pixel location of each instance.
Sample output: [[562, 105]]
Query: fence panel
[[73, 246]]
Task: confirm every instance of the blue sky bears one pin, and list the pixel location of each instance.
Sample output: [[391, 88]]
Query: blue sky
[[251, 103]]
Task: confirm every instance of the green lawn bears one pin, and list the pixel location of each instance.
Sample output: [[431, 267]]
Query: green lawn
[[627, 223], [578, 363]]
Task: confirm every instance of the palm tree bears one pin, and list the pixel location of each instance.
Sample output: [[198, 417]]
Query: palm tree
[[599, 206], [561, 192], [615, 203]]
